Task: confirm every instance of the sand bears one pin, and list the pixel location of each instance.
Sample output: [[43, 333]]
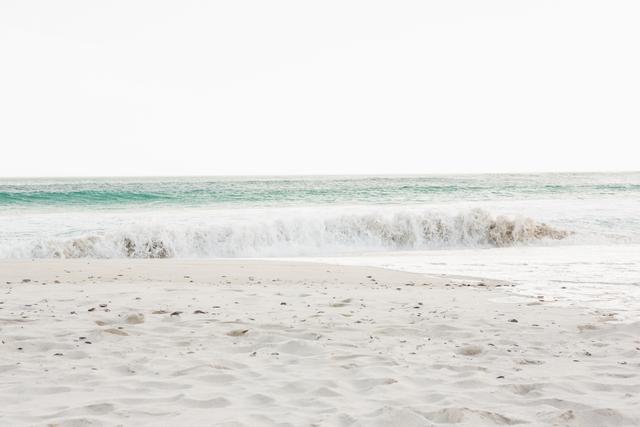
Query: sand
[[258, 343]]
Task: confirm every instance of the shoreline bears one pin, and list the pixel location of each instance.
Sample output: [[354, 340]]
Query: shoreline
[[91, 270], [248, 342]]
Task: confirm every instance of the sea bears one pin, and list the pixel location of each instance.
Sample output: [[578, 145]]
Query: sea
[[572, 237]]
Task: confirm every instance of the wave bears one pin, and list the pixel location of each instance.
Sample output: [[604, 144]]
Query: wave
[[302, 191], [295, 235], [78, 197]]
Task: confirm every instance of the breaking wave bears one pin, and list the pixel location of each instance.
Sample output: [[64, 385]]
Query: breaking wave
[[294, 236]]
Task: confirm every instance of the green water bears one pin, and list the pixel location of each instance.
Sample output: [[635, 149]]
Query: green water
[[274, 191]]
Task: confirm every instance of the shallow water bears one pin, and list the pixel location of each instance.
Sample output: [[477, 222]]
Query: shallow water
[[605, 278], [239, 217], [575, 236]]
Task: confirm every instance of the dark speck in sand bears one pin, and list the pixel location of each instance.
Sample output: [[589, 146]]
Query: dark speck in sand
[[91, 309], [199, 312], [513, 320], [283, 303], [176, 313], [26, 280]]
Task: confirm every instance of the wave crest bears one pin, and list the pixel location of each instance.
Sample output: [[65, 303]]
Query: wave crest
[[302, 235]]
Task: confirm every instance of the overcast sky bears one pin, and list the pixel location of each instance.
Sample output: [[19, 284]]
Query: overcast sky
[[291, 87]]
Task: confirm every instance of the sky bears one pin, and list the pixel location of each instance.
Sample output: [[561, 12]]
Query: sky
[[106, 88]]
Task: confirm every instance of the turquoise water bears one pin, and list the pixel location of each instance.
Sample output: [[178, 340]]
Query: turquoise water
[[272, 191], [312, 216], [572, 236]]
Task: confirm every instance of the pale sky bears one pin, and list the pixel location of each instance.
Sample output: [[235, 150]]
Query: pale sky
[[299, 87]]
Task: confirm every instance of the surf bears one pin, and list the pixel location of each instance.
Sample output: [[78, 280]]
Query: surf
[[294, 235]]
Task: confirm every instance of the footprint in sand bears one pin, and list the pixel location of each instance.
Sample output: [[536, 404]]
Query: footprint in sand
[[134, 319], [470, 350]]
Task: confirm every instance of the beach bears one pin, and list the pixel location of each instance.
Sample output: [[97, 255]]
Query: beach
[[256, 342], [319, 214]]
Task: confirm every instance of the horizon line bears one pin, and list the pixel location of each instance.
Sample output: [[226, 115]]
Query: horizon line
[[308, 175]]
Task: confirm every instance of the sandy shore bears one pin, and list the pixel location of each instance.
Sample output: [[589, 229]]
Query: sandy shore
[[166, 342]]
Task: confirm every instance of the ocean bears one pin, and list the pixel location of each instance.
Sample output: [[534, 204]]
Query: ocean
[[569, 234]]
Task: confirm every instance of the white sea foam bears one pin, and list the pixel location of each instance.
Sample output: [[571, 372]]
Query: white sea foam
[[604, 277], [287, 234]]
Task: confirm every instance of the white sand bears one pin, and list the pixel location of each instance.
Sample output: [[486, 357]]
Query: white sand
[[282, 343]]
